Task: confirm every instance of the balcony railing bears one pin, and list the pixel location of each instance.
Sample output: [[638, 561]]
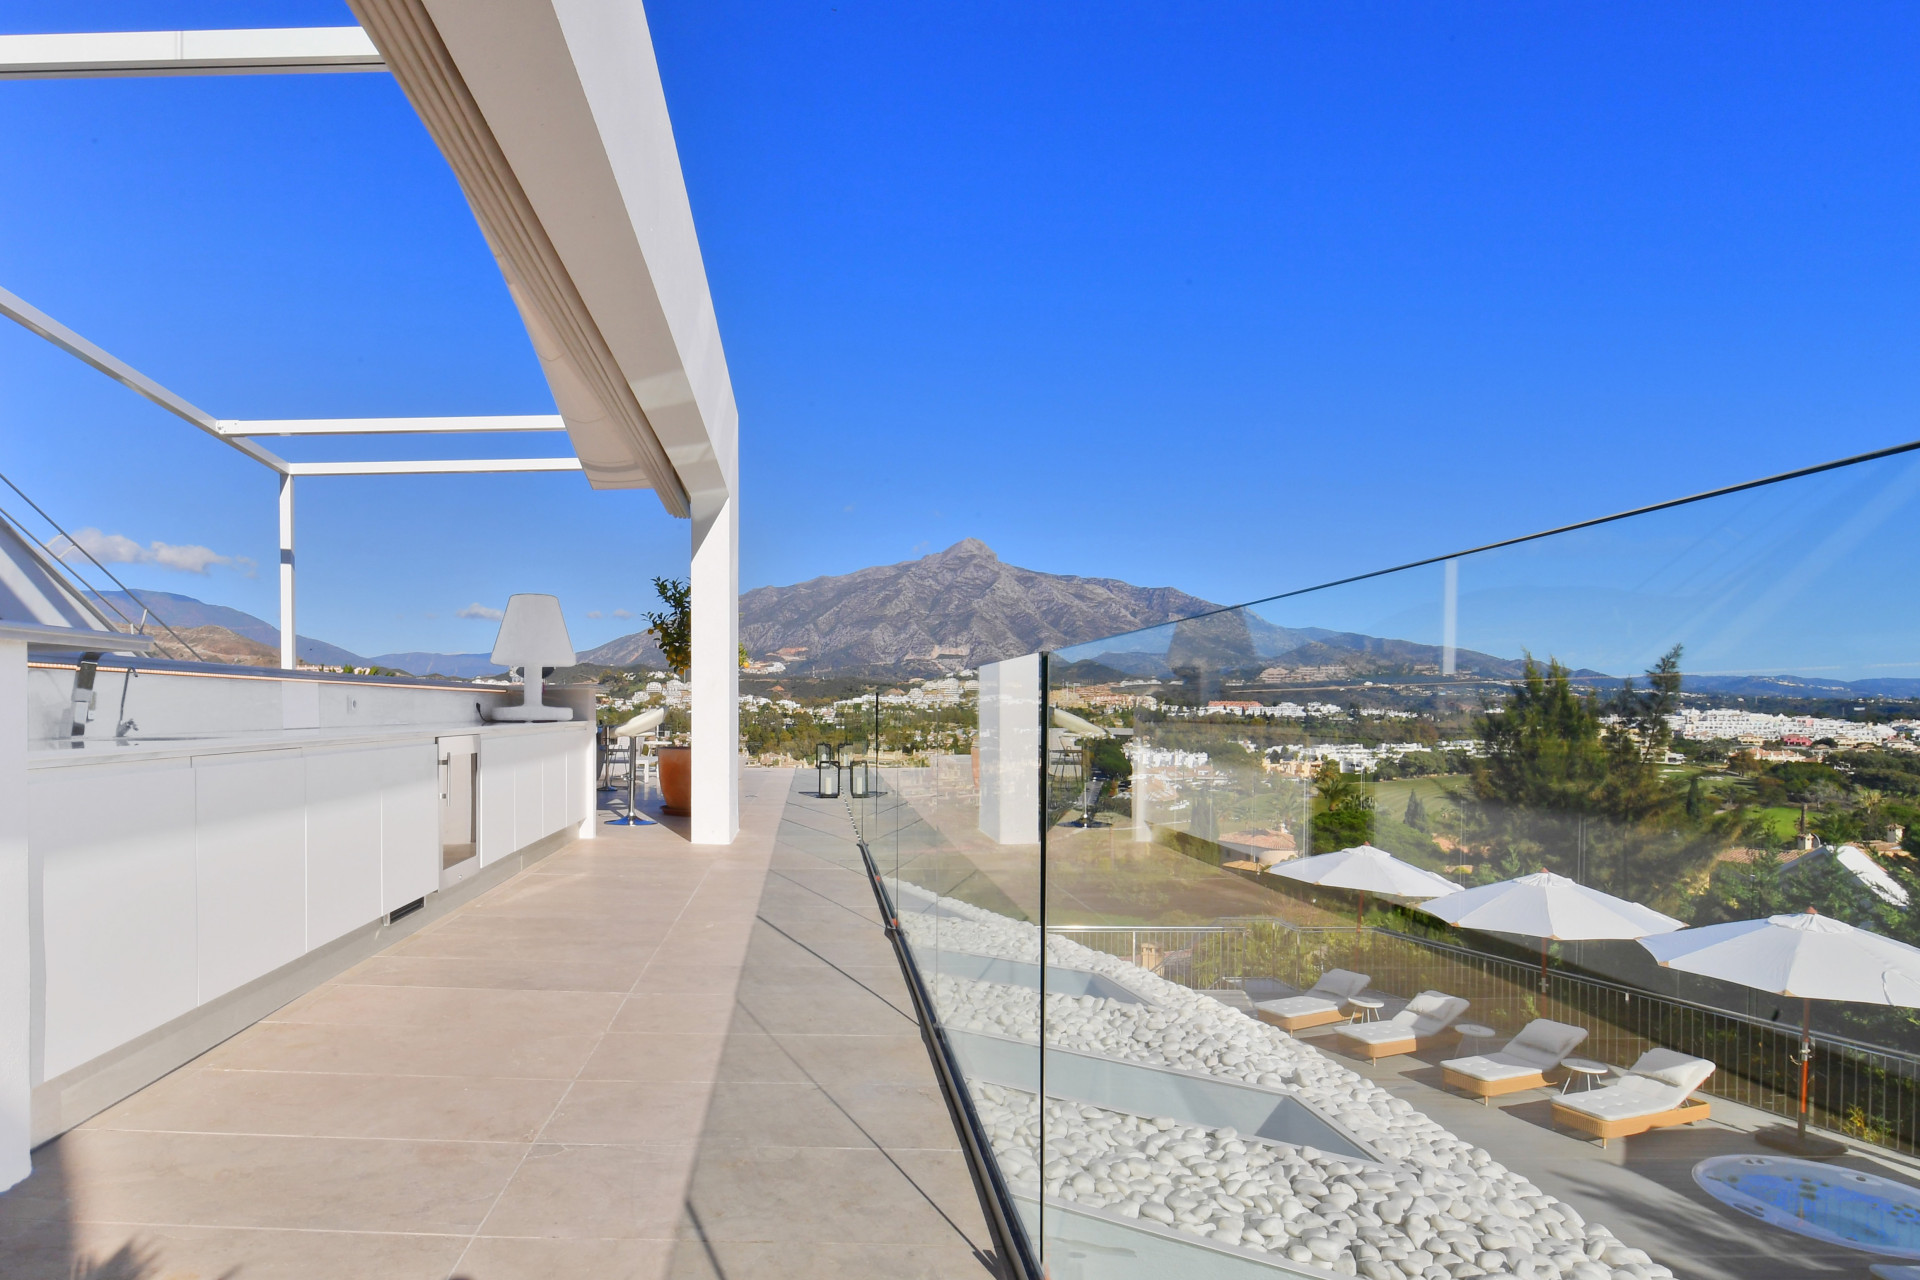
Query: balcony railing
[[1867, 1092]]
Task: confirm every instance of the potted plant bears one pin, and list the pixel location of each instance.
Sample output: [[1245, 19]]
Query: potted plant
[[673, 632]]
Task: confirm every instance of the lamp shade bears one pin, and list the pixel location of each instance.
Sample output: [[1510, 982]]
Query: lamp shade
[[533, 634]]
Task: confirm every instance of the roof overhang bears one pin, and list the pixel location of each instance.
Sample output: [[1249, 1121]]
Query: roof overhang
[[552, 116]]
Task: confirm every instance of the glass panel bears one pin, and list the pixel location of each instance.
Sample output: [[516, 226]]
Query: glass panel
[[952, 826], [1707, 711]]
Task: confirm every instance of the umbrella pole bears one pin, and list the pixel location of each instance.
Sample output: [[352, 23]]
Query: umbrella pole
[[1796, 1140], [1806, 1059], [1543, 966], [1360, 920]]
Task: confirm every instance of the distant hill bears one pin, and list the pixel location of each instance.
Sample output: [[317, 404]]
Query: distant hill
[[1804, 687], [636, 650], [961, 606], [215, 644], [958, 607], [964, 606], [461, 666], [218, 629], [183, 612]]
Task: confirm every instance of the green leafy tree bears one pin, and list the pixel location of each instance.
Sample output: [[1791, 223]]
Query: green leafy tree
[[1837, 826], [673, 627], [1343, 810], [1572, 784]]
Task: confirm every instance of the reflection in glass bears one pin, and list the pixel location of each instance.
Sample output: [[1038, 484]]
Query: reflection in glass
[[1709, 711]]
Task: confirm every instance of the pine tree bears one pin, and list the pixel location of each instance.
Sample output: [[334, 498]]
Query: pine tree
[[1568, 779], [1416, 814]]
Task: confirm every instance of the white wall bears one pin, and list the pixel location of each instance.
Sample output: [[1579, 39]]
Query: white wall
[[1010, 750], [533, 782], [166, 878], [255, 699], [249, 865]]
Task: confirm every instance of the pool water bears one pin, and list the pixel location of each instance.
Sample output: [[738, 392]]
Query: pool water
[[1836, 1205]]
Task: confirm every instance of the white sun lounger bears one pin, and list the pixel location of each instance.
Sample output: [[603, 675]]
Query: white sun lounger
[[1322, 1003], [1656, 1091], [1522, 1063], [1427, 1019]]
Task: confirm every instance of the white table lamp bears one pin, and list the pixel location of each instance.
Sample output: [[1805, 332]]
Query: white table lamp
[[533, 637]]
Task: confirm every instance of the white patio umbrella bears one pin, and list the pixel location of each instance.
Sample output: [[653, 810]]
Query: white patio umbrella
[[1367, 870], [1806, 957], [1551, 908]]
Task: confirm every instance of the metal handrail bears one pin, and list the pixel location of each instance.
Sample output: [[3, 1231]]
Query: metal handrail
[[1868, 1092], [145, 609]]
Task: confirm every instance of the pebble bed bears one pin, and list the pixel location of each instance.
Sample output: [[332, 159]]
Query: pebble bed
[[1442, 1209]]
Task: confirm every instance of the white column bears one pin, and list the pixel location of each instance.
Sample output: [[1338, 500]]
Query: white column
[[16, 965], [1142, 820], [288, 659], [715, 679], [1010, 745]]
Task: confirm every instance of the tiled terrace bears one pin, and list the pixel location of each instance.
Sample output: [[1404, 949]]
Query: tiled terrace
[[638, 1058]]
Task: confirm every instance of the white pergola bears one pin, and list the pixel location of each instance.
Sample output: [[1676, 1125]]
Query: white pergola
[[552, 117]]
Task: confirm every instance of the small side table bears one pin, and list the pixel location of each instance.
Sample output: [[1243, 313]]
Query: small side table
[[1475, 1032], [1586, 1069], [1369, 1008]]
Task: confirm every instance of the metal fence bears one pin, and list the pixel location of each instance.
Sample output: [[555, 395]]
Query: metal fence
[[1198, 956], [1867, 1092]]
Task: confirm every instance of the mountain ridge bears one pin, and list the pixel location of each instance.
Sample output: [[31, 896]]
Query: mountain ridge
[[189, 616], [953, 608], [963, 606]]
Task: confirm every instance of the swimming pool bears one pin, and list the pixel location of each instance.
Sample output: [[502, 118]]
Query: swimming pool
[[1829, 1203]]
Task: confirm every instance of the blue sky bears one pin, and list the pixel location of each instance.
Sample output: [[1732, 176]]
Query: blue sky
[[1232, 298], [1783, 579]]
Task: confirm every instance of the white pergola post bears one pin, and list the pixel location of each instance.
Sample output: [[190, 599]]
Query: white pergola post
[[715, 679], [288, 658], [16, 925]]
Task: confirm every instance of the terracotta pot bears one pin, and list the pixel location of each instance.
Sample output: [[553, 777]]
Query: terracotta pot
[[676, 779]]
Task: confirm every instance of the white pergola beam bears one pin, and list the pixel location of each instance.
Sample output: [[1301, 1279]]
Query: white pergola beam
[[387, 426], [449, 467], [39, 322], [264, 51]]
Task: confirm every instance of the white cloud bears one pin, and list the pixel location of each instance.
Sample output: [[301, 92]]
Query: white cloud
[[623, 613], [478, 610], [595, 613], [114, 548]]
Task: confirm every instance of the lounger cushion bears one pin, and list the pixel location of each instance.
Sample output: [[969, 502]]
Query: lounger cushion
[[1377, 1032], [1491, 1067], [1633, 1096], [1338, 984], [1298, 1006], [1543, 1043], [1659, 1081], [1677, 1070], [1431, 1012]]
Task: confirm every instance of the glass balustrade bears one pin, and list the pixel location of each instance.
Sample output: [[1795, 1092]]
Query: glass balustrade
[[1194, 1044]]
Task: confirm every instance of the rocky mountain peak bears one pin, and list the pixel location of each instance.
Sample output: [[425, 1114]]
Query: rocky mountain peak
[[965, 549]]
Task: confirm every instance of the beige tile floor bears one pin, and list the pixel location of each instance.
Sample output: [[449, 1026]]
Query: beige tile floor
[[827, 1150], [529, 1087]]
